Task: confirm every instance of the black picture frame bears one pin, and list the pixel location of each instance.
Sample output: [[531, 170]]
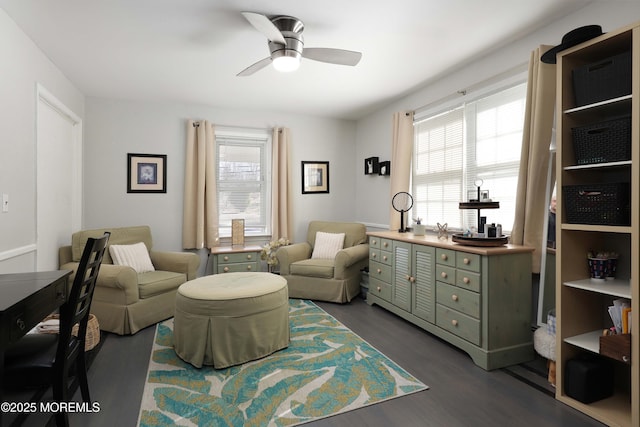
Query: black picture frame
[[385, 168], [146, 173], [371, 165], [315, 177]]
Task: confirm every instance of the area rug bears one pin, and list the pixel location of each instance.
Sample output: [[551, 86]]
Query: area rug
[[326, 370]]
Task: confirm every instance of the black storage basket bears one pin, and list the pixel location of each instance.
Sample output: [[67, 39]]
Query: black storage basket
[[597, 204], [603, 142], [606, 79]]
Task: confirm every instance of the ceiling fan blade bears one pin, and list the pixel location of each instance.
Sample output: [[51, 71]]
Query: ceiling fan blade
[[265, 26], [332, 56], [255, 67]]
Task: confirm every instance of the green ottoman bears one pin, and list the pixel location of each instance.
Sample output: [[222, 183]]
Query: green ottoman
[[231, 318]]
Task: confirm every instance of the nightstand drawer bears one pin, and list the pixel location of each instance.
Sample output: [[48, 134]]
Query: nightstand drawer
[[468, 261], [461, 300], [458, 324], [446, 257], [468, 280], [237, 267], [380, 271], [445, 274], [238, 257], [380, 289]]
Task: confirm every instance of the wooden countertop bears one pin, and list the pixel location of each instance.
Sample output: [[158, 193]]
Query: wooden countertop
[[235, 249], [432, 240]]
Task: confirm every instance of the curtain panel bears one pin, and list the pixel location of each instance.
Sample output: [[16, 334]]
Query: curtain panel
[[200, 210], [401, 151], [534, 160], [281, 218]]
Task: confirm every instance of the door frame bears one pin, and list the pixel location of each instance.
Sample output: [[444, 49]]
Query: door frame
[[46, 97]]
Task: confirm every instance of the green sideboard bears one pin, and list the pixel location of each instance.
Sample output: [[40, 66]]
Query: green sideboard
[[476, 298]]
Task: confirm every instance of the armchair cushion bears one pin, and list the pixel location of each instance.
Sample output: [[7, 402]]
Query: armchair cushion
[[327, 245], [154, 283], [135, 256], [314, 268]]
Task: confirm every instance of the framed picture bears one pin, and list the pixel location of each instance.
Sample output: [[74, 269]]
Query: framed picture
[[237, 232], [385, 168], [371, 166], [146, 173], [315, 177]]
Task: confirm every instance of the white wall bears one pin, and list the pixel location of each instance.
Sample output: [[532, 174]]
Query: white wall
[[23, 66], [115, 128], [373, 196]]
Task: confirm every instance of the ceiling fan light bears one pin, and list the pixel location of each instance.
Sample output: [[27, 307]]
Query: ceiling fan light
[[286, 64]]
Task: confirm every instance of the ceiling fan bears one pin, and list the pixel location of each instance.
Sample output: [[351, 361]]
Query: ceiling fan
[[286, 45]]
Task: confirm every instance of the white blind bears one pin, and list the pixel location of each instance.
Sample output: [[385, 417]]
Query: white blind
[[438, 168], [243, 182], [478, 140]]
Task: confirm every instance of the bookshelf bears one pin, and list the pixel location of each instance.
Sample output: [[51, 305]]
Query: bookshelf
[[582, 303]]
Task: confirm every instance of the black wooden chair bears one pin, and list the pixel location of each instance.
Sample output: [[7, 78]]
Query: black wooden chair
[[38, 361]]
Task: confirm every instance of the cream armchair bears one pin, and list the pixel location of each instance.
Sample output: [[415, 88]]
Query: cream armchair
[[334, 280], [126, 301]]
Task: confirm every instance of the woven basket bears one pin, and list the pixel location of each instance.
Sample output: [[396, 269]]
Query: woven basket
[[93, 331]]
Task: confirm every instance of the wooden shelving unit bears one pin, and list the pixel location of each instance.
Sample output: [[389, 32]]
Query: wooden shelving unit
[[582, 303]]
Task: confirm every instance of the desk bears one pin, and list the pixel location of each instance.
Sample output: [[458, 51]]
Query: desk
[[26, 299]]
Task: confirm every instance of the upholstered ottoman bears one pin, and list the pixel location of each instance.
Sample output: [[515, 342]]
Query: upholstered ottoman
[[231, 318]]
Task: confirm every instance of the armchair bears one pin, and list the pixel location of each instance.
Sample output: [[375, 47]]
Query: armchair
[[334, 280], [126, 301]]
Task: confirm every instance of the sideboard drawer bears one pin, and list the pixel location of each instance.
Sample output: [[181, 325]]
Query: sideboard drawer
[[374, 254], [385, 244], [386, 258], [468, 280], [468, 261], [238, 257], [237, 267], [374, 242], [380, 271], [458, 299], [458, 324], [446, 274], [446, 257], [380, 289]]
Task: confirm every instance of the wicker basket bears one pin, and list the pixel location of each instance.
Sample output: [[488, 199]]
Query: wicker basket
[[93, 331], [598, 204], [608, 141]]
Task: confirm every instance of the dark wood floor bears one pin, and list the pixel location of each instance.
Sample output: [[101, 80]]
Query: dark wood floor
[[460, 394]]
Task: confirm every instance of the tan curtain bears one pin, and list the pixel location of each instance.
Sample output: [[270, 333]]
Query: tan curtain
[[281, 185], [534, 162], [200, 211], [401, 150]]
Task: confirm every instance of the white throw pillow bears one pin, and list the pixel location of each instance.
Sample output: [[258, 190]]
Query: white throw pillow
[[135, 256], [327, 245]]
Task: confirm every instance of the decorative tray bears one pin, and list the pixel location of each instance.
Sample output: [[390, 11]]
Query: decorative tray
[[480, 241]]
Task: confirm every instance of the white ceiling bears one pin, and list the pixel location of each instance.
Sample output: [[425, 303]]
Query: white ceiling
[[190, 51]]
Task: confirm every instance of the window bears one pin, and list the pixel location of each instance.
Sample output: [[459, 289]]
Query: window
[[244, 180], [481, 139]]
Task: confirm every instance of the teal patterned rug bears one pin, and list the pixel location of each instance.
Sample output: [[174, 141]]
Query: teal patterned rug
[[326, 370]]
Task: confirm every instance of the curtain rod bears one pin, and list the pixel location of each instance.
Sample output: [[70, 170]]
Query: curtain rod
[[511, 72], [197, 124]]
